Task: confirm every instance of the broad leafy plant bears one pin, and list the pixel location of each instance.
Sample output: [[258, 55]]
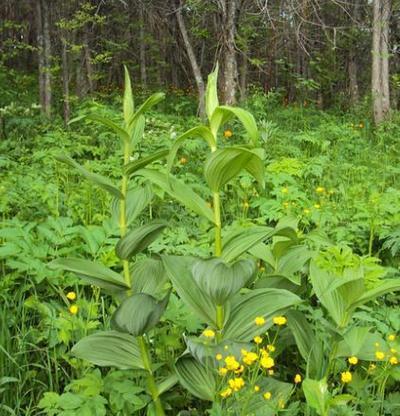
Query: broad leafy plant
[[140, 291]]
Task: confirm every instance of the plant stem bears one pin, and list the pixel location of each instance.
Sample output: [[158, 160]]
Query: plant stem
[[217, 219], [122, 211], [151, 382]]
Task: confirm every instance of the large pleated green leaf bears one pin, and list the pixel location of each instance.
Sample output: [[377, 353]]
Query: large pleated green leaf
[[137, 199], [138, 314], [128, 104], [135, 165], [178, 190], [110, 349], [92, 273], [388, 286], [122, 133], [310, 347], [317, 395], [199, 131], [223, 113], [99, 180], [138, 239], [212, 93], [149, 276], [179, 269], [224, 164], [220, 280], [196, 378], [259, 302]]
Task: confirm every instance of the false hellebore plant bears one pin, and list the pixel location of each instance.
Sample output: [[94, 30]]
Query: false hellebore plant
[[212, 288]]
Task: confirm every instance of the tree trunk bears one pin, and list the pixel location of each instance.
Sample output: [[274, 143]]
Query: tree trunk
[[65, 80], [243, 78], [193, 61], [229, 55], [44, 56], [142, 46], [352, 63], [88, 62], [380, 59]]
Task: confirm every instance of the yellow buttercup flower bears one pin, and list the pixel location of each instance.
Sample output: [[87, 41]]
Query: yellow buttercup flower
[[353, 360], [297, 378], [250, 358], [260, 320], [222, 371], [239, 370], [317, 206], [267, 362], [320, 189], [228, 133], [270, 348], [306, 211], [73, 309], [346, 377], [393, 350], [71, 295], [226, 393], [236, 383], [285, 190], [256, 388], [270, 372], [218, 357], [393, 360], [257, 339], [231, 363], [267, 395], [183, 160], [209, 333], [379, 355], [391, 337], [279, 320]]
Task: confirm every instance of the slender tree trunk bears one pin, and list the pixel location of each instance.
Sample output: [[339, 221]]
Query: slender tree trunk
[[243, 78], [65, 79], [352, 63], [385, 56], [44, 56], [88, 62], [380, 59], [193, 61], [229, 56], [142, 46]]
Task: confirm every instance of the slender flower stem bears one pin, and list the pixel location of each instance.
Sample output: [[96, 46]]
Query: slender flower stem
[[151, 382], [122, 211]]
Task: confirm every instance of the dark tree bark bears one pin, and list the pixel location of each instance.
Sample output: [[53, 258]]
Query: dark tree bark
[[142, 46], [65, 79], [44, 56]]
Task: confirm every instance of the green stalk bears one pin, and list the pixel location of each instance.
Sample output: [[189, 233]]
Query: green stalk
[[151, 382], [122, 211]]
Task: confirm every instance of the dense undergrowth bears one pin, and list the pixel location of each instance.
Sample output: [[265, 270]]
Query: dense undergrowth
[[331, 177]]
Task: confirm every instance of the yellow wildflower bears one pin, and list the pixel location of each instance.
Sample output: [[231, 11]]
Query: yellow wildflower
[[353, 360], [270, 372], [226, 393], [297, 378], [71, 295], [361, 125], [231, 363], [218, 357], [222, 371], [279, 320], [306, 211], [267, 395], [257, 339], [73, 309], [285, 190], [183, 160], [260, 320], [228, 133], [317, 206], [267, 362], [250, 358], [245, 204], [393, 360], [320, 190], [256, 388], [236, 383], [379, 355], [391, 337], [286, 204], [209, 333], [239, 370], [393, 350], [270, 348], [371, 367], [346, 377]]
